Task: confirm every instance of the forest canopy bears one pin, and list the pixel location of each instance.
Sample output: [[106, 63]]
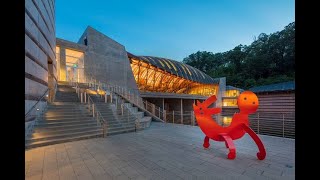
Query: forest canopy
[[268, 59]]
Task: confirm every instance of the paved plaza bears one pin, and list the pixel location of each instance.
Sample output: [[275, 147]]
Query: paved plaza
[[163, 151]]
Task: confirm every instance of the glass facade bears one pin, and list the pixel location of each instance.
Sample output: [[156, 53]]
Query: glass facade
[[71, 66], [175, 78]]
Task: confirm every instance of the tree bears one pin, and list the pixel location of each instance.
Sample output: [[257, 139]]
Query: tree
[[268, 59]]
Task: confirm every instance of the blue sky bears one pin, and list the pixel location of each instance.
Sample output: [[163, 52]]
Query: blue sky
[[174, 28]]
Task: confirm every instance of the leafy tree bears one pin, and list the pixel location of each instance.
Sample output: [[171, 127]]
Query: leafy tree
[[268, 59]]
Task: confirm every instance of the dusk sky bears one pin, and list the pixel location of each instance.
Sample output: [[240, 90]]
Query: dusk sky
[[174, 28]]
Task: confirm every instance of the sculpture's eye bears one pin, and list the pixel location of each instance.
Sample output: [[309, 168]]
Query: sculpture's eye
[[254, 103], [245, 98], [201, 108]]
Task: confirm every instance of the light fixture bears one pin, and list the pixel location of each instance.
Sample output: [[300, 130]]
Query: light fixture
[[47, 95], [38, 109]]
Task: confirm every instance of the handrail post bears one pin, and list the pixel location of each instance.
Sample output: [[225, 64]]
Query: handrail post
[[89, 105], [85, 97], [105, 98], [92, 110], [122, 109], [165, 116], [97, 118], [81, 97], [282, 124]]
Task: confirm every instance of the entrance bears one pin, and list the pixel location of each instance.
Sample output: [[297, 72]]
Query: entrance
[[74, 66], [72, 74]]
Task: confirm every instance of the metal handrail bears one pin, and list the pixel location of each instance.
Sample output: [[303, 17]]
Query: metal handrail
[[36, 103], [96, 114]]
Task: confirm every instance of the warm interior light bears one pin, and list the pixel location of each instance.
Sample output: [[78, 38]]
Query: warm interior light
[[232, 93], [153, 79], [230, 102], [226, 120]]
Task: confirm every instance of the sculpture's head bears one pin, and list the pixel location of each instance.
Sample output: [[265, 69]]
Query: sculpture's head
[[248, 102]]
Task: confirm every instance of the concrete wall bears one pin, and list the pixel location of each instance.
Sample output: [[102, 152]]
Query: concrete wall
[[107, 60], [39, 49], [221, 91]]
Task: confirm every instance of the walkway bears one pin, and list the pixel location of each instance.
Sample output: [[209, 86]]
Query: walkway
[[164, 151]]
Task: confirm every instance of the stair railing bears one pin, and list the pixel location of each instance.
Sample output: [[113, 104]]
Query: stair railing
[[35, 113], [35, 105], [131, 95], [129, 112], [97, 116]]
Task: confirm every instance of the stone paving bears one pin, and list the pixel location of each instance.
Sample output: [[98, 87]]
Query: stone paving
[[163, 151]]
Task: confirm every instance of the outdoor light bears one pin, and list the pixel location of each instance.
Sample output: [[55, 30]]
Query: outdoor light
[[47, 95], [38, 109]]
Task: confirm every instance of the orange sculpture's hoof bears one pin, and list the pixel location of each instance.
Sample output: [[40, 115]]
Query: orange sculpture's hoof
[[206, 145], [261, 156], [231, 155]]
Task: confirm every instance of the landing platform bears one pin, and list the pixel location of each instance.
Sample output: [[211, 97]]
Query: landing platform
[[163, 151]]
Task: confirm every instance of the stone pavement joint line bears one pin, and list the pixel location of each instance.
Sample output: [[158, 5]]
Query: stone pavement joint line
[[163, 151]]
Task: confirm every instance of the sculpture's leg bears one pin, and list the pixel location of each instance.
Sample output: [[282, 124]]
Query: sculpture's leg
[[230, 145], [262, 152], [227, 146], [206, 143]]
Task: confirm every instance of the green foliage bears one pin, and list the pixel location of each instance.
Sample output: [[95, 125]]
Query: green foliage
[[269, 59]]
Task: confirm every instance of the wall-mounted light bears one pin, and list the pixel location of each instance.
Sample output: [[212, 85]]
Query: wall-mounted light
[[38, 109], [47, 95]]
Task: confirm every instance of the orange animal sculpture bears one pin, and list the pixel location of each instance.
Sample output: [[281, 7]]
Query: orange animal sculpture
[[248, 103]]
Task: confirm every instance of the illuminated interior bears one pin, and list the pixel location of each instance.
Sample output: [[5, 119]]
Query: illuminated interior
[[232, 93], [74, 66], [226, 120], [229, 102], [163, 75], [231, 96]]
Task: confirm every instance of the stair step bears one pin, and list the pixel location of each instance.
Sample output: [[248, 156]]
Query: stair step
[[66, 114], [66, 118], [74, 120], [61, 140], [62, 131], [120, 128], [64, 109], [120, 131], [116, 122], [65, 123], [68, 126], [61, 135]]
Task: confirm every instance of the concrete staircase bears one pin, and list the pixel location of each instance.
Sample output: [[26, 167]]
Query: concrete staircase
[[64, 120], [116, 122], [143, 121]]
